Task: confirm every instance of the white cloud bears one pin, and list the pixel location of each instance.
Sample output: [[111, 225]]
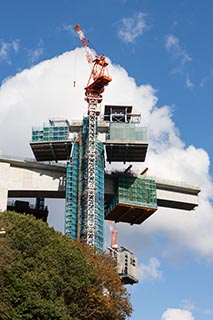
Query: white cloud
[[177, 314], [47, 91], [37, 94], [132, 27], [171, 41], [206, 78], [173, 46], [69, 28], [188, 305], [6, 48], [16, 46], [36, 54], [189, 83], [150, 271]]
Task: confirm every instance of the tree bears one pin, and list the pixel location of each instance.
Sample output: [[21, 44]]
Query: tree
[[46, 275], [109, 296]]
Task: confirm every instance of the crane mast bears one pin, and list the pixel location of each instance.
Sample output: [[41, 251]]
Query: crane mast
[[98, 79]]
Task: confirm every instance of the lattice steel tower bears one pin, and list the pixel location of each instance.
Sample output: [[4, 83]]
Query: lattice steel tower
[[98, 79]]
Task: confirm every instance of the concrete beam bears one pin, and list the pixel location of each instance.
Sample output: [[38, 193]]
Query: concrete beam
[[177, 195], [19, 178], [25, 179]]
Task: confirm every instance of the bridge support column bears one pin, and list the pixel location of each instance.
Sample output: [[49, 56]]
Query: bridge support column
[[3, 199]]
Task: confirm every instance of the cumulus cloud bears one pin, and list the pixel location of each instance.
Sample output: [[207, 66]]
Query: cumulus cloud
[[173, 46], [132, 27], [35, 95], [150, 271], [177, 314], [47, 90]]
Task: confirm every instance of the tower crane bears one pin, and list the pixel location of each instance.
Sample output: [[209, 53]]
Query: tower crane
[[99, 76], [98, 79]]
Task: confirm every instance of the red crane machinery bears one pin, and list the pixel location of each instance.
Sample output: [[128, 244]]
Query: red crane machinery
[[99, 76]]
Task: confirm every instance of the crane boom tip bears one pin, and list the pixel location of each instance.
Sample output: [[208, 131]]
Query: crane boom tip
[[77, 27]]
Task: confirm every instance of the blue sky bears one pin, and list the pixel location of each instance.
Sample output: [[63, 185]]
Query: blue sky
[[160, 55]]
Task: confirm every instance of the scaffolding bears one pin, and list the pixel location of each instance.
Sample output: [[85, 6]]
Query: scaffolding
[[126, 140], [134, 198], [72, 187], [55, 130], [51, 142], [76, 222], [134, 201], [127, 132]]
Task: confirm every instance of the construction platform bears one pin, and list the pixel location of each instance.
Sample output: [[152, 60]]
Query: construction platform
[[77, 125], [126, 151], [52, 150], [126, 140], [130, 214], [51, 142], [135, 199]]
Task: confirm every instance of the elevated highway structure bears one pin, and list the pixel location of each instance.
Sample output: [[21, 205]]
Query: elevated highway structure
[[30, 179]]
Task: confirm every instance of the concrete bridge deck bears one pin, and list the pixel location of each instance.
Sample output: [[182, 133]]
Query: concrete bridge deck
[[30, 179]]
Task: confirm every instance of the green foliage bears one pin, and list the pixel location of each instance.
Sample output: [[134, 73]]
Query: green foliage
[[45, 275], [114, 303]]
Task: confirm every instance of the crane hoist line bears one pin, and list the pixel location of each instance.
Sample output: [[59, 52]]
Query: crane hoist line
[[99, 76]]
